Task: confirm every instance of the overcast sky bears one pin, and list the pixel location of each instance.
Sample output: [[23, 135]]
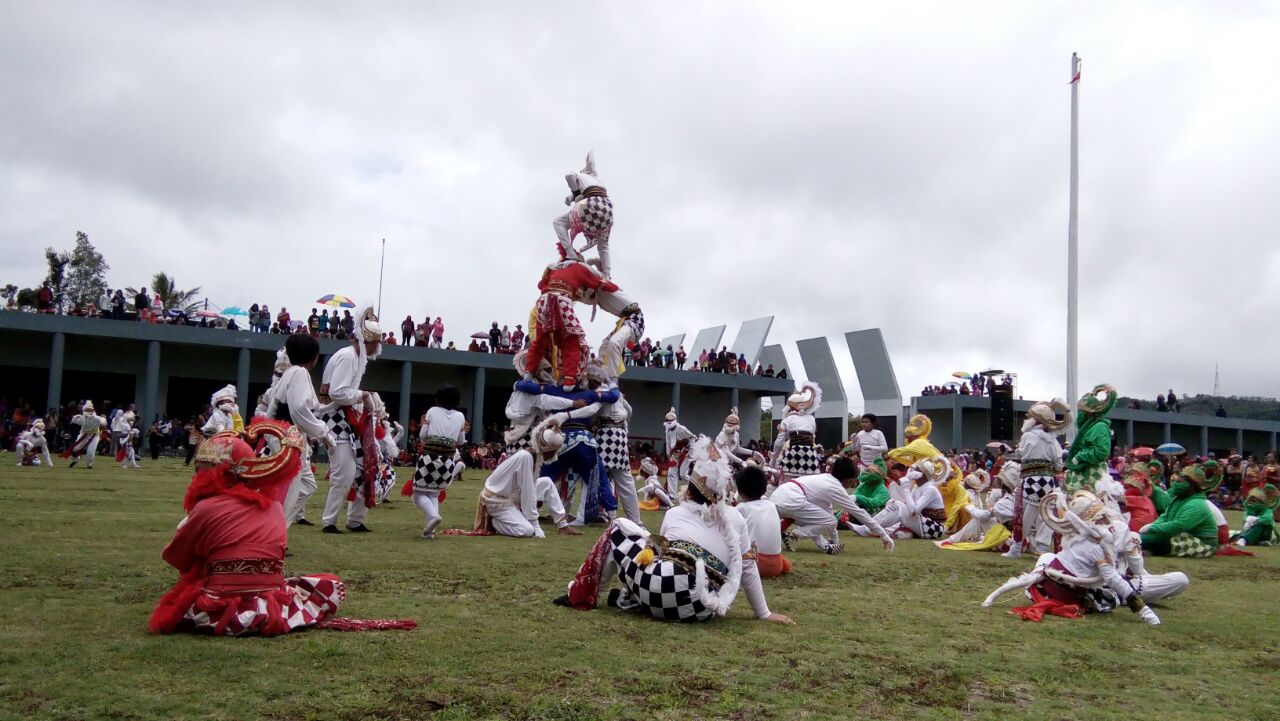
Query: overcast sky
[[841, 166]]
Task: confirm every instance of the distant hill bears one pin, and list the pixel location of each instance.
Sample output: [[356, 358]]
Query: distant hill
[[1261, 409]]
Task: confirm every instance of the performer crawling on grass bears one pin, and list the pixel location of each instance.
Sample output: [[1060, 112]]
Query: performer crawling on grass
[[691, 570]]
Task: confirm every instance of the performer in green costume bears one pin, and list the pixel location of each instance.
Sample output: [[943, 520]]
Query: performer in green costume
[[1087, 459], [1188, 528], [1259, 517], [871, 492]]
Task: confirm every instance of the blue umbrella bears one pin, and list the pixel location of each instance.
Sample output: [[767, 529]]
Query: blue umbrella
[[1170, 449], [235, 310]]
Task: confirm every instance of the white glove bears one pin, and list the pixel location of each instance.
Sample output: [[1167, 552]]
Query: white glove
[[1144, 529], [1148, 616], [888, 542], [538, 532], [330, 445], [1249, 522]]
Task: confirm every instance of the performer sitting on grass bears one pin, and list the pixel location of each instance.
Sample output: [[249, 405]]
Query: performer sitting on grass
[[764, 527], [691, 570]]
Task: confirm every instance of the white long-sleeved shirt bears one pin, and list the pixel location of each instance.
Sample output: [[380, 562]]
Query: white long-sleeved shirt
[[342, 376], [512, 483], [673, 433], [871, 445], [120, 424], [90, 423], [522, 407], [921, 497], [685, 523], [827, 493], [443, 423], [764, 527], [1038, 444], [1085, 558], [294, 388], [219, 420]]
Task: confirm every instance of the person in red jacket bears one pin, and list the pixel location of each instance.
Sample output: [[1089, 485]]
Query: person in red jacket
[[555, 322], [1137, 499]]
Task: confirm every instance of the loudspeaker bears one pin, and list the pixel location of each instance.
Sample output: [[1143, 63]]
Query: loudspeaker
[[1002, 417]]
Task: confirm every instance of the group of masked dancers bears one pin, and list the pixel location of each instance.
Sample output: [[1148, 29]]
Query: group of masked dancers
[[730, 513]]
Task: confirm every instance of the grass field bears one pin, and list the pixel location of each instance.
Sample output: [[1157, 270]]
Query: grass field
[[878, 637]]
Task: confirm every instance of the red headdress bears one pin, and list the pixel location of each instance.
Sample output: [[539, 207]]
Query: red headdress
[[227, 465]]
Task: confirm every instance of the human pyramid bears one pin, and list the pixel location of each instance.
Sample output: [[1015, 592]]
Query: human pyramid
[[729, 512]]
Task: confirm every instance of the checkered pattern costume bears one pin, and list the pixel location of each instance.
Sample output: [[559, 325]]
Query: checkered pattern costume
[[592, 216], [434, 472], [930, 528], [613, 447], [299, 602], [801, 461], [554, 321], [1035, 488], [663, 588], [341, 430]]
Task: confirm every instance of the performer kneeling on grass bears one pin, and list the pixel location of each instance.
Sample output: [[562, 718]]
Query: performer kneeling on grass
[[230, 548], [691, 569], [811, 502], [764, 527], [508, 504]]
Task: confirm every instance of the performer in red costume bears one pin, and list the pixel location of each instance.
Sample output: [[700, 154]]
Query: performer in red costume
[[230, 547], [555, 323]]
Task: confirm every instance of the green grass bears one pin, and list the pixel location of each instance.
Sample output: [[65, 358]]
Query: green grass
[[878, 636]]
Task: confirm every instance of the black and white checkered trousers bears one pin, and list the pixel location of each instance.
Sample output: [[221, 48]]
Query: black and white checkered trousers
[[433, 473], [613, 448], [662, 588], [930, 528], [1035, 488]]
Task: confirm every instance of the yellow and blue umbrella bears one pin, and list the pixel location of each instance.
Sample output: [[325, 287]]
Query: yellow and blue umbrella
[[337, 301]]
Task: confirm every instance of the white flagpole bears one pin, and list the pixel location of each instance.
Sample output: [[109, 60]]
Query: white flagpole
[[1073, 252], [382, 264]]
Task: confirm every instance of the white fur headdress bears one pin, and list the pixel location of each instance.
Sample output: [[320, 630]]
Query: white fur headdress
[[807, 399], [546, 437], [226, 393], [542, 374], [647, 467], [732, 419], [87, 407], [934, 470], [710, 474], [368, 326], [1078, 516], [979, 480], [1009, 475], [671, 415]]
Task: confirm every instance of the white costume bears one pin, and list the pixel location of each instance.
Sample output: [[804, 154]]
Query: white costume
[[292, 396], [729, 442], [764, 525], [511, 493], [1040, 456], [33, 443], [526, 410], [225, 415], [915, 505], [677, 438], [650, 485], [440, 464], [794, 450], [1085, 570], [812, 502], [341, 394], [986, 507], [590, 213], [86, 443], [613, 434], [700, 554], [870, 445], [129, 440]]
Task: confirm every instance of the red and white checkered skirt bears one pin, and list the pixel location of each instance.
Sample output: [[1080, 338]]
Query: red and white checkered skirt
[[298, 602], [555, 315]]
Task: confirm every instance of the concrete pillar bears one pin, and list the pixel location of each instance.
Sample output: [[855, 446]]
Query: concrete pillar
[[1204, 440], [675, 398], [957, 424], [406, 382], [1273, 440], [150, 391], [477, 407], [1128, 433], [1168, 432], [1240, 441], [56, 356], [733, 397], [242, 384]]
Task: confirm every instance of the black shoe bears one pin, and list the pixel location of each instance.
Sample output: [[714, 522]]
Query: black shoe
[[304, 522], [614, 594], [562, 601], [73, 463], [330, 529], [360, 529]]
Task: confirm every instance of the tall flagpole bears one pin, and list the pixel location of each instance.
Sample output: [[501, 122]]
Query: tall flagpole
[[1073, 251], [382, 264]]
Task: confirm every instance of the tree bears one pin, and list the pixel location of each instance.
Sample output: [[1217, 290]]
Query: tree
[[164, 288], [57, 278], [87, 280]]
